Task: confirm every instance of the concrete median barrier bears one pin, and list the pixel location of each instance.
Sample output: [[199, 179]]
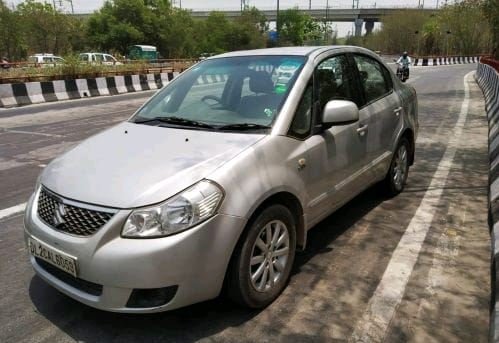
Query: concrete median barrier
[[450, 60], [20, 94], [488, 79]]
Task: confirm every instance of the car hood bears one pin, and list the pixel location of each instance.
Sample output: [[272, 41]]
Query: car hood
[[132, 165]]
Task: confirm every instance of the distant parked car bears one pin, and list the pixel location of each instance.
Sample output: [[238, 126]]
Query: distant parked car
[[99, 58], [45, 60]]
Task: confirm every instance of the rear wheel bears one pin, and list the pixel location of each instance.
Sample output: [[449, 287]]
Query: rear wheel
[[396, 177], [263, 259]]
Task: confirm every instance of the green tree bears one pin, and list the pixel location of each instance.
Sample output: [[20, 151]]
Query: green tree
[[214, 31], [295, 27], [491, 11], [11, 44], [464, 28], [118, 24]]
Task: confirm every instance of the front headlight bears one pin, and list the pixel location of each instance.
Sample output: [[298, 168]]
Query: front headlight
[[179, 213]]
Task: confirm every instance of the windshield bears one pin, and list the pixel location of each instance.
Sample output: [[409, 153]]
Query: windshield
[[234, 92]]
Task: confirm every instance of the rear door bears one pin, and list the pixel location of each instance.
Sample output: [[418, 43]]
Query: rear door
[[381, 110]]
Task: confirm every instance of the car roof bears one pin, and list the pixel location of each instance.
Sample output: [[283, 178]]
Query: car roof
[[146, 47], [294, 51]]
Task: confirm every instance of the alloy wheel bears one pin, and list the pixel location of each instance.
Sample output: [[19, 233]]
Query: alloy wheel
[[400, 167], [269, 256]]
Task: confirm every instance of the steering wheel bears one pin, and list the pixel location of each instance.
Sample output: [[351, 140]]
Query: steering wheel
[[211, 97]]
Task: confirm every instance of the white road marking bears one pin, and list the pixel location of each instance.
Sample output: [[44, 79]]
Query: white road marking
[[12, 210], [388, 295], [35, 133]]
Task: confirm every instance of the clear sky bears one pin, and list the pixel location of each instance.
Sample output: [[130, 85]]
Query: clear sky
[[344, 29]]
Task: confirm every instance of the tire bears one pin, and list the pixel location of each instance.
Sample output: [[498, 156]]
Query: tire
[[396, 177], [256, 292]]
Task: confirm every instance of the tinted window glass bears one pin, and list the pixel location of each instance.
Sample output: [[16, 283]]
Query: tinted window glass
[[372, 78], [335, 81]]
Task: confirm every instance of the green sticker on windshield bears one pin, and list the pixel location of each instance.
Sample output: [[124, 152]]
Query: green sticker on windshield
[[280, 88]]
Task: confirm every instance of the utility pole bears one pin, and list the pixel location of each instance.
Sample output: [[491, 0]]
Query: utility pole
[[327, 10], [309, 5], [327, 19], [277, 21]]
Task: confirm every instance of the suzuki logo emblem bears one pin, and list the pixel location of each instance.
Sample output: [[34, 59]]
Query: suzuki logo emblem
[[60, 212]]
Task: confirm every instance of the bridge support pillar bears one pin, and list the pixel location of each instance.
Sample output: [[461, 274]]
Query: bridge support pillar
[[358, 27], [369, 27]]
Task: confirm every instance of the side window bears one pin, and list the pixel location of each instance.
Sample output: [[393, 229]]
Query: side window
[[302, 122], [372, 78], [335, 81]]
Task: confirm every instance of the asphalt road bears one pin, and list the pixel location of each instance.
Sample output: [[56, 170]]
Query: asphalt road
[[412, 268]]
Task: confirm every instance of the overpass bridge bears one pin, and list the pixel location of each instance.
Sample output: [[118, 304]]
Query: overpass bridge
[[359, 16]]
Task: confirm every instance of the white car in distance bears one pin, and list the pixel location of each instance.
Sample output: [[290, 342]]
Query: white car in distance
[[99, 58], [45, 60]]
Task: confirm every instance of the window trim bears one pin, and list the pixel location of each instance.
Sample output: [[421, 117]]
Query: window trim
[[310, 132]]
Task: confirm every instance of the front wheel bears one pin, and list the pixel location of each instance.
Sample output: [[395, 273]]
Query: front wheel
[[396, 177], [263, 259]]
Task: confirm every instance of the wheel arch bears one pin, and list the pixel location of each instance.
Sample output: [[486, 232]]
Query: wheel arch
[[281, 197], [409, 134], [294, 205]]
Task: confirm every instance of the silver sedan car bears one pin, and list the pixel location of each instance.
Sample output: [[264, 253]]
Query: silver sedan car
[[216, 179]]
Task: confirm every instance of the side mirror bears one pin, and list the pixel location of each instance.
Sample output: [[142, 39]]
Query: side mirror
[[339, 112]]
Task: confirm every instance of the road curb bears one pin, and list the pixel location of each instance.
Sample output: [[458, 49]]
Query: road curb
[[440, 61], [488, 80]]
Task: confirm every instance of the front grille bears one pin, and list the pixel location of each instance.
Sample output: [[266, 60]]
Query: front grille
[[68, 218], [80, 284]]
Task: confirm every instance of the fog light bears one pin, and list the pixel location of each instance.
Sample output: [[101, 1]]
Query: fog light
[[151, 297]]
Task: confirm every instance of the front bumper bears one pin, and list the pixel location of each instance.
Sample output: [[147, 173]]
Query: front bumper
[[193, 261]]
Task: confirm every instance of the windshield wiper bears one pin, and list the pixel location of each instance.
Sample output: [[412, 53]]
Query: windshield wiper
[[243, 127], [176, 121]]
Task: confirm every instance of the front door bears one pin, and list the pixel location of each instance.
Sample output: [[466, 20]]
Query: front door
[[338, 155]]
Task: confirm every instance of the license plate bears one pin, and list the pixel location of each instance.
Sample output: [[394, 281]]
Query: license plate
[[52, 256]]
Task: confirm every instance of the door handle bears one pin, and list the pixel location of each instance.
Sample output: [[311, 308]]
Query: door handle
[[362, 130], [397, 111]]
